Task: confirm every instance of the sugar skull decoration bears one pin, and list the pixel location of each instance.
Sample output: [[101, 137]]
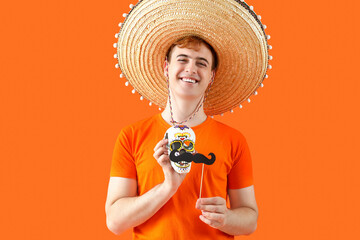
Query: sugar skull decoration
[[181, 149]]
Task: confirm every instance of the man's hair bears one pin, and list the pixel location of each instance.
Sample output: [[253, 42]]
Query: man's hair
[[193, 42]]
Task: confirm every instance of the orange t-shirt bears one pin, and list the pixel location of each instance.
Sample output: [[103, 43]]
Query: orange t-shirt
[[178, 218]]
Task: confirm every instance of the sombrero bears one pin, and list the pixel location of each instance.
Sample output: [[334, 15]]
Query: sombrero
[[231, 27]]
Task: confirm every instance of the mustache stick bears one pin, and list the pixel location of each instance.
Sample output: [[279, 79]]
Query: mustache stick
[[202, 175]]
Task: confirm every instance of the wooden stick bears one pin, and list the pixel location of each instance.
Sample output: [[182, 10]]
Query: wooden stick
[[202, 174]]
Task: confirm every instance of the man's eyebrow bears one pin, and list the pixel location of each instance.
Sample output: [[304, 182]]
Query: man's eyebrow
[[198, 58]]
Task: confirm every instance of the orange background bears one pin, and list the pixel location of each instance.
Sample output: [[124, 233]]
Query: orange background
[[62, 105]]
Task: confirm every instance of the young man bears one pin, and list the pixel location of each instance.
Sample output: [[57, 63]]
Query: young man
[[145, 193]]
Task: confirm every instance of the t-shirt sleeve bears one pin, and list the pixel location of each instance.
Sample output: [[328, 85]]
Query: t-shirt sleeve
[[123, 164], [241, 174]]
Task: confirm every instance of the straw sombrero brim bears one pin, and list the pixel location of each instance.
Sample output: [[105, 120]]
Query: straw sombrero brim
[[230, 26]]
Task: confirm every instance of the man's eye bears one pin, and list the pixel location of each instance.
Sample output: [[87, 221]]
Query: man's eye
[[202, 64]]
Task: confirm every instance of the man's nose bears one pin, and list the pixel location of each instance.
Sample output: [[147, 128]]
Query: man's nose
[[191, 67]]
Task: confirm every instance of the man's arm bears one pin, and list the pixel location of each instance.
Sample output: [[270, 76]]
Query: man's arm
[[240, 219], [124, 209]]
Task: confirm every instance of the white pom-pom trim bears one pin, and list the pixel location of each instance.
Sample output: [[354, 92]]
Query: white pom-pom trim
[[248, 100], [150, 103], [120, 24], [117, 65], [255, 93], [115, 45], [126, 83], [251, 8], [266, 76], [259, 17], [222, 114], [159, 109], [121, 75], [231, 110], [116, 35], [270, 47], [240, 106], [133, 91], [270, 57], [141, 98], [269, 67], [124, 15], [264, 26], [212, 116], [261, 85], [115, 55], [131, 6], [268, 37]]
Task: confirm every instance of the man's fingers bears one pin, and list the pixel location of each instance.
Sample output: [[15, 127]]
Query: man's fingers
[[214, 204], [212, 201], [163, 159], [161, 143], [209, 222], [212, 208], [160, 151], [219, 217]]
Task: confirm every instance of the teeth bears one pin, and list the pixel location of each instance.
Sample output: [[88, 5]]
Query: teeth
[[188, 80], [182, 164]]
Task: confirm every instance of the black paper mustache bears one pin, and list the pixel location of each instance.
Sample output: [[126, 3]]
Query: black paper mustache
[[188, 157]]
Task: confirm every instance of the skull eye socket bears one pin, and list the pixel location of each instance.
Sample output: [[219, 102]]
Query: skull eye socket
[[176, 145], [188, 145]]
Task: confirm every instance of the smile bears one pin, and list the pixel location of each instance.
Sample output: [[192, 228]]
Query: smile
[[189, 80]]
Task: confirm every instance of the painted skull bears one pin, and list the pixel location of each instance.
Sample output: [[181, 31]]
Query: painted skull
[[182, 139]]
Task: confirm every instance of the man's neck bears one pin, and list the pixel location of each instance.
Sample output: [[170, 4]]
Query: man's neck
[[183, 110]]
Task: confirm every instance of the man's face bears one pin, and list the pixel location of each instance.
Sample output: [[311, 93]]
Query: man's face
[[189, 71]]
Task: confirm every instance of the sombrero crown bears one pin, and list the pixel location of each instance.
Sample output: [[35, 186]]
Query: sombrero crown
[[229, 26]]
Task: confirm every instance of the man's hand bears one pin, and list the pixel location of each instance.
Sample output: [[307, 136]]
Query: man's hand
[[172, 178], [240, 219], [214, 211]]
